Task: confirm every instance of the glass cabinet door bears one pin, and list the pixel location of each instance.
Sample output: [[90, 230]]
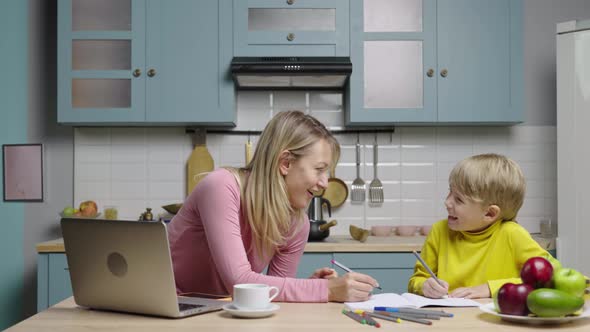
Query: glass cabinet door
[[291, 28], [101, 59], [396, 74]]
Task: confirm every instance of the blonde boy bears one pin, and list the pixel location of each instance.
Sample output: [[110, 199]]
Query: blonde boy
[[479, 247]]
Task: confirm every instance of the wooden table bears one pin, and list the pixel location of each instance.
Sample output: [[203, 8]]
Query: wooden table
[[307, 317]]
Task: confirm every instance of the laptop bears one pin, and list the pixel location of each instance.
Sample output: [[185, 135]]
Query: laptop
[[125, 266]]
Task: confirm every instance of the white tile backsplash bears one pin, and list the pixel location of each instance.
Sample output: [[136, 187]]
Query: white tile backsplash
[[135, 168]]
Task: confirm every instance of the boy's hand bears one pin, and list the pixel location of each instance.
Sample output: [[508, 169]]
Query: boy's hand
[[433, 289], [475, 292]]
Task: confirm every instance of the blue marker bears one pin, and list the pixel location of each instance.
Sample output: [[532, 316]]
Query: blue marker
[[414, 311]]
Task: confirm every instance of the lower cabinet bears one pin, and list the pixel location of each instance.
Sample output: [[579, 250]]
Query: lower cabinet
[[391, 270], [53, 279]]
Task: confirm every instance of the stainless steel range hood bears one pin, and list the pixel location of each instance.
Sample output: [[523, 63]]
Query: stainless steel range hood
[[292, 73]]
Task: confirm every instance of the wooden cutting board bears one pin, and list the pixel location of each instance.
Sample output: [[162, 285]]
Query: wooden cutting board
[[248, 152], [199, 164]]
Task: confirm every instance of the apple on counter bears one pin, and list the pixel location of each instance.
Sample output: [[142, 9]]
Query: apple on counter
[[537, 272], [511, 299], [569, 281]]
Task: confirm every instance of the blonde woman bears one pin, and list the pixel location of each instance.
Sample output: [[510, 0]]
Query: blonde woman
[[479, 247], [237, 222]]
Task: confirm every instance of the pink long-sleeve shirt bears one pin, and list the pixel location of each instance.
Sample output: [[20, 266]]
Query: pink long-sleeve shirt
[[209, 238]]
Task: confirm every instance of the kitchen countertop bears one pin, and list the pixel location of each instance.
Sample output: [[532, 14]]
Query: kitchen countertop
[[311, 317], [336, 243]]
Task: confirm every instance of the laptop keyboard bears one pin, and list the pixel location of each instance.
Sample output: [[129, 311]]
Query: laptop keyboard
[[187, 306]]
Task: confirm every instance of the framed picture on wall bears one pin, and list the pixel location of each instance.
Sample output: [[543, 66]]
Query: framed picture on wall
[[23, 172]]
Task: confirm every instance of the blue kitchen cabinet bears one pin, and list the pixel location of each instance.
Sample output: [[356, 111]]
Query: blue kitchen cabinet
[[53, 279], [311, 261], [291, 28], [145, 62], [436, 62], [391, 270]]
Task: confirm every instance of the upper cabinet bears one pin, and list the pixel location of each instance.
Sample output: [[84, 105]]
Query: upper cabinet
[[145, 62], [291, 28], [435, 62]]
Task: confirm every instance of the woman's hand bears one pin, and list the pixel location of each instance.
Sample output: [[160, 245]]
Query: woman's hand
[[324, 273], [351, 287], [475, 292], [433, 289]]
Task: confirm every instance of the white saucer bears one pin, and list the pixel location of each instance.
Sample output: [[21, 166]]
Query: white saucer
[[252, 313]]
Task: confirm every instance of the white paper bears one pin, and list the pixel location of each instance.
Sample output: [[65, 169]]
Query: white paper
[[408, 300]]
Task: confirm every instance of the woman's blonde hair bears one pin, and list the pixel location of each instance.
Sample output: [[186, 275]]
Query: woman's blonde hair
[[264, 193], [491, 179]]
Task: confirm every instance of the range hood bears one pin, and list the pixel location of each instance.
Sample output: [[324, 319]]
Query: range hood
[[292, 73]]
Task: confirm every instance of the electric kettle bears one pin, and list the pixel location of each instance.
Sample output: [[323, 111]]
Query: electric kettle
[[319, 229]]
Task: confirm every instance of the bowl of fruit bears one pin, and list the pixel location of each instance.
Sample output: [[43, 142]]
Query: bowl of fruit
[[86, 209], [548, 294]]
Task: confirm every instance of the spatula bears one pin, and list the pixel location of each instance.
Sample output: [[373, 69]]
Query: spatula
[[357, 192]]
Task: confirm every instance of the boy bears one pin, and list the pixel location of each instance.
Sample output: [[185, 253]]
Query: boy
[[479, 247]]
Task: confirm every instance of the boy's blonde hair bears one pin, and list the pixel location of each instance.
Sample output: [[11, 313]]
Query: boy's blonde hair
[[265, 200], [490, 179]]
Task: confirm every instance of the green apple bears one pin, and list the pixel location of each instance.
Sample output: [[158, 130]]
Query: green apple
[[569, 281], [68, 211]]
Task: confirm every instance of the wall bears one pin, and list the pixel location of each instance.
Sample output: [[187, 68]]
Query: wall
[[40, 220], [135, 168], [13, 130], [540, 18]]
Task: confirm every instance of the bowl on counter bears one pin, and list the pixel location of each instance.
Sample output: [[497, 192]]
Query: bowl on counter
[[382, 230], [425, 229], [406, 230]]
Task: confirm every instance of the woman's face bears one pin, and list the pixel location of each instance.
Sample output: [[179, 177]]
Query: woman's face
[[307, 174]]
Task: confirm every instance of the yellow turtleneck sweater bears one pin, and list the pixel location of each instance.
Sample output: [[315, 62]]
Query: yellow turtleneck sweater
[[463, 259]]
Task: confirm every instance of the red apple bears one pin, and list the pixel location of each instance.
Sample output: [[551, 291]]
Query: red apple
[[511, 299], [537, 272]]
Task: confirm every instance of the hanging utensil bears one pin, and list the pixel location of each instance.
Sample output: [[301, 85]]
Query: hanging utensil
[[358, 185], [248, 151], [337, 190], [200, 162], [376, 187]]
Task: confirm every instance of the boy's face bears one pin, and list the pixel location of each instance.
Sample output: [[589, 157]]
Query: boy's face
[[465, 214]]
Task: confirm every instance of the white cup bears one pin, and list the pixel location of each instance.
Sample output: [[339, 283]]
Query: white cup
[[253, 296]]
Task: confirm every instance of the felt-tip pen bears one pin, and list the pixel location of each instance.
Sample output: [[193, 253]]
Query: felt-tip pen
[[412, 310]]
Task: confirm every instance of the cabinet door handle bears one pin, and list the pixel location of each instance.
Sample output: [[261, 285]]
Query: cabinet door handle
[[151, 72], [444, 73], [137, 72], [291, 37], [430, 72], [290, 2]]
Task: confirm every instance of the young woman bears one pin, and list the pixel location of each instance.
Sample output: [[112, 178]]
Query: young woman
[[236, 222]]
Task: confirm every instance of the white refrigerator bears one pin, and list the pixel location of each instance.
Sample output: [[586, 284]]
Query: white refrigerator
[[573, 144]]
